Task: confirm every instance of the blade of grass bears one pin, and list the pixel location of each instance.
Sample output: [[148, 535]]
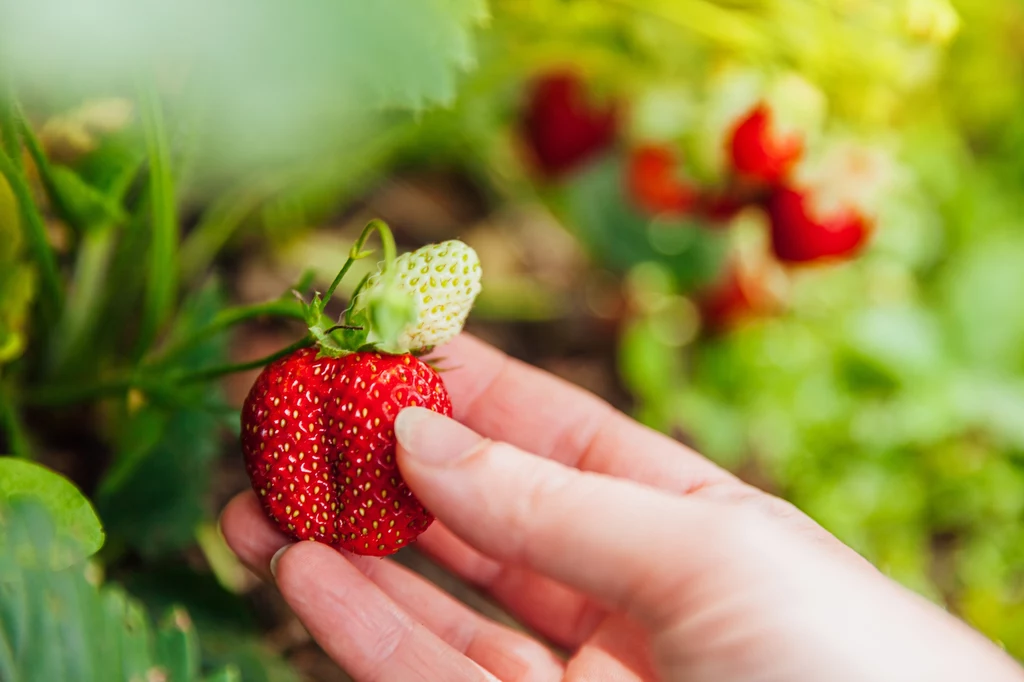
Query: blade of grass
[[9, 127], [35, 150], [81, 314], [161, 280], [36, 238]]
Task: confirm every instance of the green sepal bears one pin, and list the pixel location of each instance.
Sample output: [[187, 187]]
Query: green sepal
[[390, 312]]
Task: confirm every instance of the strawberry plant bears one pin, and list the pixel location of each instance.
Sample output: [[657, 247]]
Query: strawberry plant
[[788, 235], [318, 425], [49, 594]]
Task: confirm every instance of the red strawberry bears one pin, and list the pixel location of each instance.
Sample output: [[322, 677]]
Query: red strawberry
[[759, 151], [319, 446], [653, 182], [831, 205], [803, 232], [742, 293], [562, 128]]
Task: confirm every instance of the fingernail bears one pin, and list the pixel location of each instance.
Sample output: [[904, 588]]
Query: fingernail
[[432, 438], [277, 557]]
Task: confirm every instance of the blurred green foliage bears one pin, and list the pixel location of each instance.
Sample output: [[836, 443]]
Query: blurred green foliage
[[57, 624], [886, 399]]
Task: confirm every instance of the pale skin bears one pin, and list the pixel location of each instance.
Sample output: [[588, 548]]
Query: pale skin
[[636, 555]]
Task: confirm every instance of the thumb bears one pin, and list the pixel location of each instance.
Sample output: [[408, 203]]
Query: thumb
[[623, 543]]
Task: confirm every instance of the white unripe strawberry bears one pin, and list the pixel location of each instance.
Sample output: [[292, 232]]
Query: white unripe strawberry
[[443, 281]]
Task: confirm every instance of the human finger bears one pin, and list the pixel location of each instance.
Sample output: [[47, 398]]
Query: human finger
[[508, 654], [554, 611], [249, 533], [592, 532], [508, 400], [360, 627], [512, 656]]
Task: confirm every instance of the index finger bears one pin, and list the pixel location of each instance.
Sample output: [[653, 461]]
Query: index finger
[[508, 400]]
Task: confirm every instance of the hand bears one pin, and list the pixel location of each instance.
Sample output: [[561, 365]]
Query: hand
[[641, 558]]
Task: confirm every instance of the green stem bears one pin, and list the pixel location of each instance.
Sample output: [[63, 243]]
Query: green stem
[[10, 420], [232, 316], [224, 370], [387, 243], [35, 235], [162, 270], [9, 127], [355, 297], [64, 395]]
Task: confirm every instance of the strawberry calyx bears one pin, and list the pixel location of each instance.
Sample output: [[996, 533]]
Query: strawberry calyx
[[383, 314]]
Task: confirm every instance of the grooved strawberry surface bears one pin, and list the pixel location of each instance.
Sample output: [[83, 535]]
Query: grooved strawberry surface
[[319, 446]]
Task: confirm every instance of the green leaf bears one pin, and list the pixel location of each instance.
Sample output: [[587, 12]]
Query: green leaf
[[85, 204], [225, 622], [303, 83], [156, 503], [177, 646], [154, 496], [56, 625], [73, 515], [227, 674], [618, 235]]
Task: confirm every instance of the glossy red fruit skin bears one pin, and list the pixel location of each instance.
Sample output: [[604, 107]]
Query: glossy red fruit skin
[[562, 127], [798, 236], [319, 447], [758, 152], [653, 184]]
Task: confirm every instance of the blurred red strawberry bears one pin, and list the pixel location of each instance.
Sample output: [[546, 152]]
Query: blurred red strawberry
[[563, 127], [803, 231], [653, 181], [743, 292], [759, 151]]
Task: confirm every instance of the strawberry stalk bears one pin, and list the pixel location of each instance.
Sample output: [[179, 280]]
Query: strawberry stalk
[[223, 370], [378, 320], [68, 395], [230, 317], [357, 252]]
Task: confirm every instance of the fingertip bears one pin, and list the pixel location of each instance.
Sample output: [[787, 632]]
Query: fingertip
[[407, 425], [249, 533], [432, 439], [274, 560], [235, 515]]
